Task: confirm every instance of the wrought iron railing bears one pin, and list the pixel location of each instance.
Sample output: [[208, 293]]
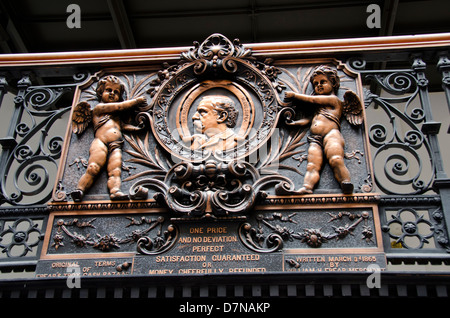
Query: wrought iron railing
[[408, 165]]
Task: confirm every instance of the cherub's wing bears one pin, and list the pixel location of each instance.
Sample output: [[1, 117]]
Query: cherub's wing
[[353, 108], [82, 116]]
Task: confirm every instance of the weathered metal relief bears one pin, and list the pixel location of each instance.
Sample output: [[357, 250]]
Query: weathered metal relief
[[257, 238], [325, 137], [205, 166], [216, 133], [146, 234], [105, 149]]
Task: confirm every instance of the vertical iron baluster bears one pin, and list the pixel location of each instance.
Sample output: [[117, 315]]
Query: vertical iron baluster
[[3, 87], [442, 184], [3, 141], [444, 67], [431, 129]]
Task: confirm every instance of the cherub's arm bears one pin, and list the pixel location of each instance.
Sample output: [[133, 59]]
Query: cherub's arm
[[300, 122], [131, 128], [322, 100], [102, 108]]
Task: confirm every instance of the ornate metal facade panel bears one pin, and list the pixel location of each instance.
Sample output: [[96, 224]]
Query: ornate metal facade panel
[[222, 163], [155, 139], [298, 239]]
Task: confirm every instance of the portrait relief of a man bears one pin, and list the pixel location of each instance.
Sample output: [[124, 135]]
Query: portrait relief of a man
[[214, 120]]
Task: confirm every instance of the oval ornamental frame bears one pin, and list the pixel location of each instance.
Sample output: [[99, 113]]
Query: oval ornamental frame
[[178, 96]]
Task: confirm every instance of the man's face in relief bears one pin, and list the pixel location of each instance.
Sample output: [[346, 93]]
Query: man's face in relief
[[205, 117]]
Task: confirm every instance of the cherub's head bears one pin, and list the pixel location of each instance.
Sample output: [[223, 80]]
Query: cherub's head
[[110, 89], [325, 80]]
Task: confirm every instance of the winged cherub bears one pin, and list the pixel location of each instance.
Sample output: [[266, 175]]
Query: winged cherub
[[106, 147], [325, 137]]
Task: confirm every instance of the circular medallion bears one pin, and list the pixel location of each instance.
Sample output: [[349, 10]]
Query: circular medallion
[[224, 118], [224, 98]]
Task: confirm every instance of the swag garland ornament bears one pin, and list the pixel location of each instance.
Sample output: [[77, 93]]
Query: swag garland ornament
[[147, 241], [268, 236]]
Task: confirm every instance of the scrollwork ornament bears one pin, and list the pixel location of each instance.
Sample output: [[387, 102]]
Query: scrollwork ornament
[[397, 154], [161, 244], [417, 115], [256, 241], [40, 98], [399, 83], [54, 146], [22, 129], [414, 139], [228, 188], [288, 114], [216, 53], [200, 66], [150, 238], [269, 236], [26, 171], [59, 195], [229, 65], [22, 152], [357, 63], [81, 76], [43, 98]]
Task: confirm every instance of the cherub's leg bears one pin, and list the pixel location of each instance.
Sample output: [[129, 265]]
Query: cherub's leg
[[334, 151], [114, 175], [315, 161], [97, 159]]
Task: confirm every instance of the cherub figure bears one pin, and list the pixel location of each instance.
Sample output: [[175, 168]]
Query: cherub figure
[[105, 149], [325, 137]]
